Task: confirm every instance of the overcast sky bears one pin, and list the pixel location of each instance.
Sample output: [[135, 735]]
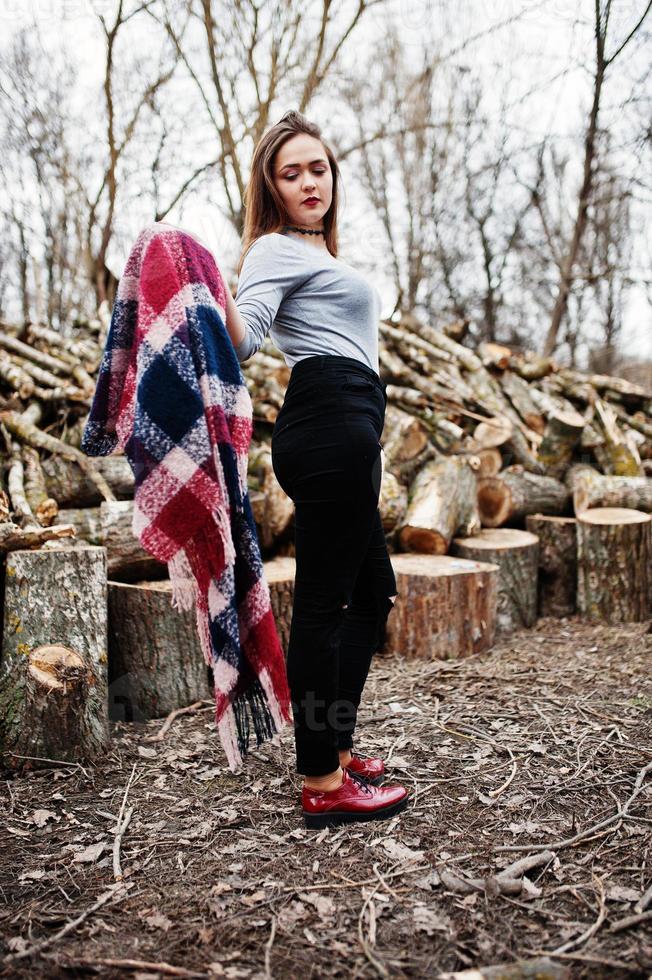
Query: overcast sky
[[543, 47]]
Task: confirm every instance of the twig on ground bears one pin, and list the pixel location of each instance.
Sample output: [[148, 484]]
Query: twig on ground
[[114, 891], [630, 920], [556, 845], [173, 971], [163, 730], [268, 949], [121, 826], [582, 938]]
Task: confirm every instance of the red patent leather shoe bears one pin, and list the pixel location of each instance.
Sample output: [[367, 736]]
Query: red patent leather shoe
[[371, 769], [356, 799]]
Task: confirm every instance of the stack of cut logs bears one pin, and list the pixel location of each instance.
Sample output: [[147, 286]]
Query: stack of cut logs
[[499, 467], [473, 439]]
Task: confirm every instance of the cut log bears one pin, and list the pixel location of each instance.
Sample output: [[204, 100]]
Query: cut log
[[517, 555], [616, 456], [71, 487], [562, 433], [514, 493], [87, 523], [442, 498], [494, 355], [592, 489], [156, 663], [557, 563], [446, 607], [403, 436], [42, 505], [490, 463], [127, 560], [392, 502], [491, 434], [14, 538], [53, 681], [275, 515], [614, 565], [519, 393], [279, 574]]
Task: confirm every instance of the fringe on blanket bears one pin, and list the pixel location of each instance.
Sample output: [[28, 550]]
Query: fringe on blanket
[[250, 708]]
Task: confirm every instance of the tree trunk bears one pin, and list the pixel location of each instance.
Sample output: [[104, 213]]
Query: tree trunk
[[517, 555], [614, 565], [557, 563], [446, 608], [53, 684], [156, 663]]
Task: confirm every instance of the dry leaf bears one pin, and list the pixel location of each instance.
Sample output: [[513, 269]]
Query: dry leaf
[[90, 853]]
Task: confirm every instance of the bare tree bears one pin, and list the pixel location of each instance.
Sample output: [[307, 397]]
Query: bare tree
[[603, 61], [243, 60]]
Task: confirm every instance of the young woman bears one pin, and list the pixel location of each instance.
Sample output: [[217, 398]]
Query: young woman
[[326, 454]]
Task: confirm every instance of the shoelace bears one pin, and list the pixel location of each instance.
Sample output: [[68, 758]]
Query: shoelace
[[362, 780]]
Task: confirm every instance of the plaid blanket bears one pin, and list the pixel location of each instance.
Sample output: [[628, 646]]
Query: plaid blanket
[[171, 395]]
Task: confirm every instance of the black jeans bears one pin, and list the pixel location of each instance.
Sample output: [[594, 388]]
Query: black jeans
[[326, 457]]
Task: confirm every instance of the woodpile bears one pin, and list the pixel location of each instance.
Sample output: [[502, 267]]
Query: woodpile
[[475, 441]]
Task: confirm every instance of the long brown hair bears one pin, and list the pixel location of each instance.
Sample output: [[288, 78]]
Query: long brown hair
[[264, 208]]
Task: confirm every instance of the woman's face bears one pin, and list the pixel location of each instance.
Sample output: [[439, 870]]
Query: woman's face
[[301, 171]]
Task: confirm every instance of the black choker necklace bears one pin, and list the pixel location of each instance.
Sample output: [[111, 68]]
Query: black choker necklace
[[302, 231]]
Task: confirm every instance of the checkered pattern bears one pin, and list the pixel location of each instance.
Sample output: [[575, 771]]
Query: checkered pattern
[[170, 394]]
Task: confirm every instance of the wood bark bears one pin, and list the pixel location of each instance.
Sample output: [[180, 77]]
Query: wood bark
[[562, 433], [156, 663], [53, 681], [127, 560], [441, 499], [592, 489], [279, 574], [514, 493], [392, 502], [70, 486], [43, 506], [520, 395], [614, 565], [446, 607], [404, 437], [517, 555], [275, 516], [557, 563]]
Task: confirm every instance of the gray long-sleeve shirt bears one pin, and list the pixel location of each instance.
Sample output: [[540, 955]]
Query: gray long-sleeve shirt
[[310, 302]]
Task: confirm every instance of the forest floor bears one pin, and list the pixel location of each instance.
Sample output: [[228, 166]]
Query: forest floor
[[543, 744]]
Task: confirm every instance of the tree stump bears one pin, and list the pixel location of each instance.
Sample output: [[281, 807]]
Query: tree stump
[[517, 555], [53, 673], [446, 608], [614, 565], [514, 493], [156, 663], [442, 499], [557, 563]]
